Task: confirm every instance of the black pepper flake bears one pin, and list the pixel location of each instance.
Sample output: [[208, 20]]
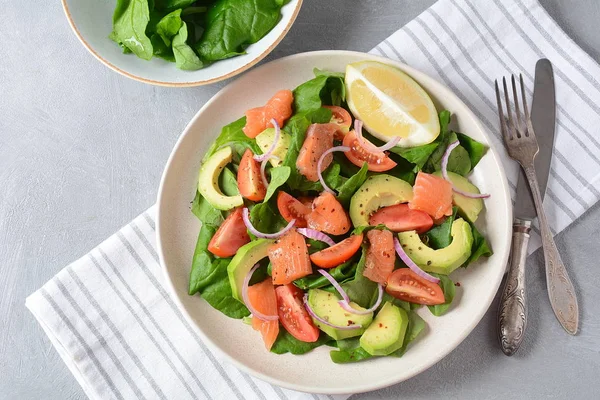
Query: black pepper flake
[[428, 262]]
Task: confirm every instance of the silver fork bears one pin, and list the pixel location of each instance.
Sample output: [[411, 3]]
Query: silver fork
[[522, 146]]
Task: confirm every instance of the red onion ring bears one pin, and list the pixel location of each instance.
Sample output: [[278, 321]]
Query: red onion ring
[[320, 163], [313, 234], [367, 145], [445, 159], [323, 321], [411, 264], [345, 303], [257, 233], [263, 165], [267, 154], [247, 302]]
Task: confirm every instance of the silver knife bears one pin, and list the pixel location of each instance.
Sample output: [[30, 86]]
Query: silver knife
[[512, 314]]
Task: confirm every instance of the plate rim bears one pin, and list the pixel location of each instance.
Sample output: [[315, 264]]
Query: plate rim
[[364, 387], [233, 73]]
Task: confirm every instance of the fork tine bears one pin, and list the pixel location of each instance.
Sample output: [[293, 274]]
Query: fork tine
[[525, 109], [503, 129], [511, 124], [517, 109]]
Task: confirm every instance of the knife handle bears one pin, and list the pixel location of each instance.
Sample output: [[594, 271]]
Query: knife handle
[[512, 314]]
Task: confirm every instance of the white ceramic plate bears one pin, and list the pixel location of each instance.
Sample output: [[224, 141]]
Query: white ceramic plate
[[91, 20], [178, 230]]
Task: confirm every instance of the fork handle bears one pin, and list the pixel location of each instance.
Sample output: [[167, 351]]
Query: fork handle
[[560, 289], [512, 313]]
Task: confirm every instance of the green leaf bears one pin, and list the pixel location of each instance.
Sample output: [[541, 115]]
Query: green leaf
[[265, 218], [341, 273], [202, 261], [169, 26], [205, 212], [349, 355], [445, 117], [233, 135], [185, 57], [480, 247], [231, 25], [365, 228], [321, 90], [405, 305], [440, 236], [286, 343], [172, 4], [449, 290], [130, 20], [279, 176], [349, 187], [416, 155], [160, 49], [361, 290], [415, 327], [228, 183], [475, 149], [323, 72]]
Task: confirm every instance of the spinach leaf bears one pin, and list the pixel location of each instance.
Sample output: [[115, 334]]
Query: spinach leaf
[[331, 176], [228, 183], [205, 212], [449, 290], [340, 273], [231, 25], [415, 327], [440, 236], [388, 298], [475, 149], [361, 290], [445, 117], [416, 155], [459, 160], [169, 26], [365, 228], [185, 57], [160, 49], [480, 247], [172, 4], [130, 20], [266, 218], [323, 72], [233, 135], [202, 261], [279, 176], [349, 187], [286, 343], [315, 246], [321, 90], [349, 355]]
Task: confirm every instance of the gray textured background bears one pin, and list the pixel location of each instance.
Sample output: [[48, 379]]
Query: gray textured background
[[82, 150]]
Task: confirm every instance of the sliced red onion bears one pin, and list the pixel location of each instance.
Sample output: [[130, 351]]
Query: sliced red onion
[[313, 234], [336, 285], [367, 145], [411, 264], [325, 322], [445, 159], [247, 302], [345, 302], [267, 154], [320, 163], [258, 234], [263, 165]]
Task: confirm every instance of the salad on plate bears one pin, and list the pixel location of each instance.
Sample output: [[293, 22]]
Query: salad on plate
[[331, 213]]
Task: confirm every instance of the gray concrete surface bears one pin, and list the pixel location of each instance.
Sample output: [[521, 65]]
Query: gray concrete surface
[[82, 150]]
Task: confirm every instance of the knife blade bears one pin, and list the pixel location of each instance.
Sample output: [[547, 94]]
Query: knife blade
[[543, 117]]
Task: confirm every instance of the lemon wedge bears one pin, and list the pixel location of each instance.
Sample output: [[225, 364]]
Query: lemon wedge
[[391, 103]]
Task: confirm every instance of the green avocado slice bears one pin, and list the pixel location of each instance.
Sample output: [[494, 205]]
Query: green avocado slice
[[208, 181], [243, 261], [386, 334]]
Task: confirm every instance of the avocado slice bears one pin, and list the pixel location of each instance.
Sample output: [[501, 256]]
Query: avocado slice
[[442, 261], [208, 181], [386, 334], [467, 207], [325, 305], [243, 261], [265, 140], [378, 191]]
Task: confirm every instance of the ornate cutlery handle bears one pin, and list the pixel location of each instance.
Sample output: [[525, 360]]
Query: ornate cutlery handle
[[512, 314], [560, 289]]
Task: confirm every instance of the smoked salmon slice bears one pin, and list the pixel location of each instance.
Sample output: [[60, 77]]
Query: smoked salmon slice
[[262, 297], [319, 139], [433, 195], [278, 107]]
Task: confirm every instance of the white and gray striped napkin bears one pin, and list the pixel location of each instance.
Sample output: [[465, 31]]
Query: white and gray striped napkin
[[109, 315]]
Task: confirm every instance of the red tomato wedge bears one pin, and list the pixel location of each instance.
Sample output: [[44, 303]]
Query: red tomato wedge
[[290, 209], [401, 218], [377, 161], [230, 236], [289, 258], [405, 285], [381, 255], [341, 118], [278, 107], [319, 139], [338, 253], [262, 297], [328, 215], [433, 195], [293, 315], [249, 180]]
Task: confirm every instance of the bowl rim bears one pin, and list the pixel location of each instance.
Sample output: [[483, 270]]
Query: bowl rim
[[181, 84], [364, 387]]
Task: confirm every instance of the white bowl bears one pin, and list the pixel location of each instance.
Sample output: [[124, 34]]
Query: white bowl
[[177, 231], [91, 20]]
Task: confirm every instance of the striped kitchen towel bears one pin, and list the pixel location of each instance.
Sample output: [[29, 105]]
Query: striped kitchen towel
[[109, 315]]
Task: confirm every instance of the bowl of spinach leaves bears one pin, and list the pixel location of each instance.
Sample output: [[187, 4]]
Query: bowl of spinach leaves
[[180, 42]]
